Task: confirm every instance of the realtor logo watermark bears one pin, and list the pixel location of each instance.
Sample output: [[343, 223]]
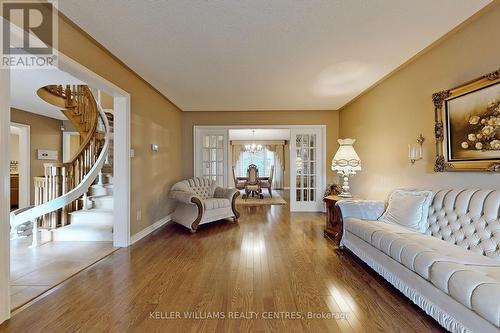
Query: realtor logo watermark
[[28, 34]]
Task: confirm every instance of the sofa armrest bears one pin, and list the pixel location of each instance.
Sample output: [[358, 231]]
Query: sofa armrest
[[185, 197], [231, 194], [190, 199], [361, 209], [225, 193]]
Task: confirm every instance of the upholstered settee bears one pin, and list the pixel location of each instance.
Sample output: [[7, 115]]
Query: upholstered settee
[[452, 270], [200, 201]]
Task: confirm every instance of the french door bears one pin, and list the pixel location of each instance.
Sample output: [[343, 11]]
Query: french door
[[306, 169], [210, 160]]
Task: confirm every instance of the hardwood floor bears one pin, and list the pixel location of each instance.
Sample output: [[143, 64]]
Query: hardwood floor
[[272, 263]]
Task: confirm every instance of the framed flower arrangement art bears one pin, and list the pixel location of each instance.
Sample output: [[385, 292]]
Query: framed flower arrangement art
[[467, 126]]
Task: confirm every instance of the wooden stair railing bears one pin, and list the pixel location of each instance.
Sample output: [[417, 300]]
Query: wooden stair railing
[[58, 193]]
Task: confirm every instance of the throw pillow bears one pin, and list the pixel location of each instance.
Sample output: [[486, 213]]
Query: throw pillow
[[408, 209]]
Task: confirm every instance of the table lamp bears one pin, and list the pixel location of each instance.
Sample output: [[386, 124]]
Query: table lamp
[[346, 162]]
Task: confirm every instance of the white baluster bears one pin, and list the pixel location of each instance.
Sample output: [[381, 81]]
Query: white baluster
[[34, 235], [85, 202]]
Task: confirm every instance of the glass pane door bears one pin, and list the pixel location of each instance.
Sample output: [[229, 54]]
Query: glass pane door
[[305, 185], [306, 170], [211, 154], [213, 158]]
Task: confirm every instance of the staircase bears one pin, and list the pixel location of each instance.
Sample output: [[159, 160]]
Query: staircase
[[94, 222], [73, 201]]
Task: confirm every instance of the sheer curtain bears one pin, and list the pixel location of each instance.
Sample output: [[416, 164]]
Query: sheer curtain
[[236, 152], [263, 159], [278, 173], [272, 154], [278, 154]]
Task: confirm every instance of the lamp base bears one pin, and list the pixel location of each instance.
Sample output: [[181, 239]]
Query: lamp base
[[345, 187]]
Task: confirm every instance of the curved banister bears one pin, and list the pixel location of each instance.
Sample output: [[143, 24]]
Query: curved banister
[[24, 215], [86, 140]]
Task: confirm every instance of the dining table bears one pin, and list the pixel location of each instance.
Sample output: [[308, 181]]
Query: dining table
[[261, 179], [246, 178]]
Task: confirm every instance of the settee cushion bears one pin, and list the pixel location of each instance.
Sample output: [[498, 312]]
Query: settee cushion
[[419, 252], [475, 286], [215, 203], [365, 229], [414, 250], [469, 278]]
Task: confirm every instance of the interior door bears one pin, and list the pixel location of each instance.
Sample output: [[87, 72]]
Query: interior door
[[306, 169], [210, 160]]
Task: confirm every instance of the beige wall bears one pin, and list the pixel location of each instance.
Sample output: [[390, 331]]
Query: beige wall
[[45, 133], [390, 116], [153, 120], [190, 119], [106, 100]]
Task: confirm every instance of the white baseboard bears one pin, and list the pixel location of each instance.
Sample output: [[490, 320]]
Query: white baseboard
[[146, 231]]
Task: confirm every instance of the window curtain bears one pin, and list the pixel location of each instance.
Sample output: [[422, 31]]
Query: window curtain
[[261, 159], [279, 164], [236, 153], [278, 173], [240, 160]]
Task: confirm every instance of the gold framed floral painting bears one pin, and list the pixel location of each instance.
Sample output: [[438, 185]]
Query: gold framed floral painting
[[467, 126]]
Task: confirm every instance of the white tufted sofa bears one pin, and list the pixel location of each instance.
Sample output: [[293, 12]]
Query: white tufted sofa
[[452, 271], [200, 201]]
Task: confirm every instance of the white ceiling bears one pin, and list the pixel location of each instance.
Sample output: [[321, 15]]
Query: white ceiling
[[266, 55], [260, 134], [24, 84]]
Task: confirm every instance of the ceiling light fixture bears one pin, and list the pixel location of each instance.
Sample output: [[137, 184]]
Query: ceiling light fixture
[[253, 147]]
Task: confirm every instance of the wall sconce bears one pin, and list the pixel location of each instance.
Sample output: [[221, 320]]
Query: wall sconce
[[415, 150]]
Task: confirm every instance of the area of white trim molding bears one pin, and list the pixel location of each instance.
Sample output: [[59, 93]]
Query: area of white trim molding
[[121, 229], [121, 136], [146, 231], [24, 164], [5, 195], [121, 169]]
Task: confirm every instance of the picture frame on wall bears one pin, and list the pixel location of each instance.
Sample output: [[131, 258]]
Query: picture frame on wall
[[467, 126]]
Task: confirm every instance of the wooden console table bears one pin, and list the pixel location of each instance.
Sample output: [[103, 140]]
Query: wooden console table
[[334, 223], [333, 227], [14, 191]]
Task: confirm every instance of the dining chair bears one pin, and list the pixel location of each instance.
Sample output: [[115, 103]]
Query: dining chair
[[252, 185], [239, 182], [269, 182]]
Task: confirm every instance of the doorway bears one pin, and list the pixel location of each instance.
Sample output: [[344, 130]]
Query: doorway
[[121, 228], [306, 165], [19, 165], [307, 158]]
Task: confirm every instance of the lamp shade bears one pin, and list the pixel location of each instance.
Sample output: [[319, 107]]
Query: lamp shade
[[346, 158]]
